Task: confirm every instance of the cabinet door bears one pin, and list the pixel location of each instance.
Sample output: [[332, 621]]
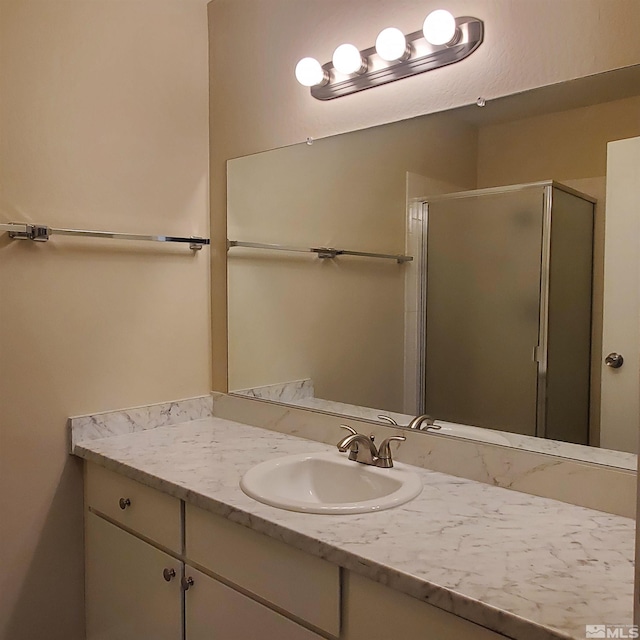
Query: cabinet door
[[127, 596], [374, 611], [291, 580], [215, 611]]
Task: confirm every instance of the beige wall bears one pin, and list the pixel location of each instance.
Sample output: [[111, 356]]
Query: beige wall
[[566, 145], [339, 322], [256, 104], [104, 124]]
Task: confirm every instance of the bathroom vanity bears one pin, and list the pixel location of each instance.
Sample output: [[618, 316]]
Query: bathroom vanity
[[143, 558], [175, 550]]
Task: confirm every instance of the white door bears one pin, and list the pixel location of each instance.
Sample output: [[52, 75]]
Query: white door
[[620, 413]]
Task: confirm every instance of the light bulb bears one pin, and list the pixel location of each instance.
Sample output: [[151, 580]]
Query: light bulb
[[391, 44], [439, 27], [347, 59], [309, 73]]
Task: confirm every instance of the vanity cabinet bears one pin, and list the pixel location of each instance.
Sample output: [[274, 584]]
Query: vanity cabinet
[[141, 582], [159, 569]]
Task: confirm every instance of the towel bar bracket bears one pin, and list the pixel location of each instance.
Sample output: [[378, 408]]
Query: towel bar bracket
[[36, 232]]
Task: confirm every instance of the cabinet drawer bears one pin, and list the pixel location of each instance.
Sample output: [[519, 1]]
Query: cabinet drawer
[[375, 611], [211, 605], [306, 586], [151, 513]]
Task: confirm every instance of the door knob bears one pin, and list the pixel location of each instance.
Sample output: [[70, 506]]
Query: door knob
[[614, 360], [124, 503]]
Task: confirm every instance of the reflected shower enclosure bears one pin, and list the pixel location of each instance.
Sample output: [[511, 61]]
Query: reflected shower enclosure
[[506, 318]]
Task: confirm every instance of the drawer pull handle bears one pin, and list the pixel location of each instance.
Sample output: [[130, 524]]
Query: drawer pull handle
[[169, 574], [124, 503], [187, 582]]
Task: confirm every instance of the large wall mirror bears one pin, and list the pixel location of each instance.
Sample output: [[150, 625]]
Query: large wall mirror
[[451, 265]]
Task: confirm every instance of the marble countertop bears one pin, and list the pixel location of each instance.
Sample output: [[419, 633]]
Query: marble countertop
[[530, 568]]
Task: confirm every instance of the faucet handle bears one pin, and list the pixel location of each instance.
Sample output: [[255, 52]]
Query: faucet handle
[[385, 443], [384, 452], [351, 430], [420, 421], [353, 452], [388, 419]]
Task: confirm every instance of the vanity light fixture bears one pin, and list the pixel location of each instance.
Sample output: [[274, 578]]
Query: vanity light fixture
[[442, 40]]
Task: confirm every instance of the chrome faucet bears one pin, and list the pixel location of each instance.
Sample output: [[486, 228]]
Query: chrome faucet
[[362, 448], [423, 422]]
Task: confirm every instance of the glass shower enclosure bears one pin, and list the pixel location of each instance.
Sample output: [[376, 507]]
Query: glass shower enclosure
[[506, 295]]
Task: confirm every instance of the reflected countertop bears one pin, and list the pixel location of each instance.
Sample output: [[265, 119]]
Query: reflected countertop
[[527, 567], [569, 450]]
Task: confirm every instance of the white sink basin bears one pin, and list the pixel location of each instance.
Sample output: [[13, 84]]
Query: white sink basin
[[329, 483]]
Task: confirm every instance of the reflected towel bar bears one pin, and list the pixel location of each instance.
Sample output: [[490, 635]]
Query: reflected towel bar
[[322, 252], [41, 233]]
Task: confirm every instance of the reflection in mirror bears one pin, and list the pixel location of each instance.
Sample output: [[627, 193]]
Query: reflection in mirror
[[495, 327], [508, 310]]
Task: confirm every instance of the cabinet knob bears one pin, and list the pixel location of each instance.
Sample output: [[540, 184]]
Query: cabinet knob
[[124, 503], [169, 574], [614, 360], [187, 583]]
